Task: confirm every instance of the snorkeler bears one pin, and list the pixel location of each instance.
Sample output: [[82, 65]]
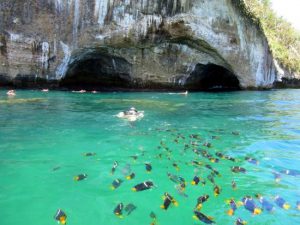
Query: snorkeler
[[11, 93], [131, 115], [60, 216], [143, 186]]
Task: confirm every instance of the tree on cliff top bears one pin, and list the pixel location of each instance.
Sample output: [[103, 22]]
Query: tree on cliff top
[[283, 39]]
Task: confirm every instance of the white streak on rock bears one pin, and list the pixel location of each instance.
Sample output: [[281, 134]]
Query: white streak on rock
[[62, 68], [45, 54], [100, 11]]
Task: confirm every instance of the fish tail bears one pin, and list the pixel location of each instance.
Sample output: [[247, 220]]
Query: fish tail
[[257, 211], [286, 206], [162, 207], [230, 212], [195, 217], [133, 189], [175, 203], [193, 183]]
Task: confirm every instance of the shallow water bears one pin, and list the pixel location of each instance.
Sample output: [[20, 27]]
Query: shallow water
[[43, 138]]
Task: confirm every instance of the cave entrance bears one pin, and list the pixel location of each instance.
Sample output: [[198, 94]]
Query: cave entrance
[[95, 70], [212, 77]]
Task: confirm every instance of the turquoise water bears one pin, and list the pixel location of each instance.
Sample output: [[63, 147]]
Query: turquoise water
[[44, 136]]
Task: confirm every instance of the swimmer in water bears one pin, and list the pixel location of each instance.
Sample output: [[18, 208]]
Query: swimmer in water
[[11, 93], [131, 115], [60, 216]]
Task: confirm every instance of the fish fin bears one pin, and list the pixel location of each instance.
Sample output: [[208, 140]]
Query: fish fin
[[193, 183], [162, 207], [133, 189], [112, 188], [128, 178], [76, 178], [257, 211], [195, 217], [227, 201], [230, 212], [286, 206]]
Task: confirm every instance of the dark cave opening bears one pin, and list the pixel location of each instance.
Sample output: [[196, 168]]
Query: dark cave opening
[[212, 77], [97, 71]]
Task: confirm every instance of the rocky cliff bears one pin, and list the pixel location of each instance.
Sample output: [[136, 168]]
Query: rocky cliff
[[180, 44]]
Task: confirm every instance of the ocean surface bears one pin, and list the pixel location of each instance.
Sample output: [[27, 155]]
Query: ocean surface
[[45, 139]]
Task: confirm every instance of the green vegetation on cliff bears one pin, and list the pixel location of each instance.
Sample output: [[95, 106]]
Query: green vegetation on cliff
[[283, 39]]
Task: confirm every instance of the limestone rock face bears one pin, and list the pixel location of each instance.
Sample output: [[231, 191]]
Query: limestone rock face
[[133, 44]]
